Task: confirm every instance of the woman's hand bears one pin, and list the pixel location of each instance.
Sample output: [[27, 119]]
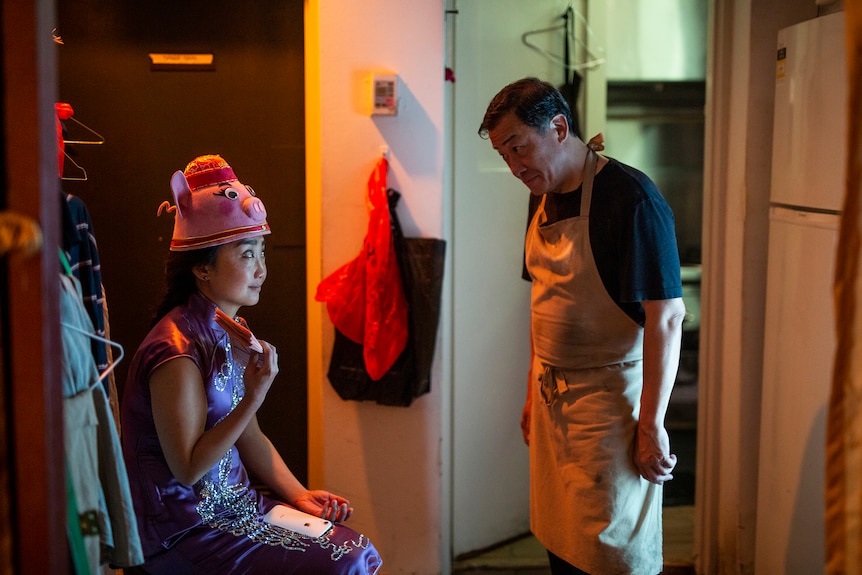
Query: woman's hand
[[324, 504], [260, 373]]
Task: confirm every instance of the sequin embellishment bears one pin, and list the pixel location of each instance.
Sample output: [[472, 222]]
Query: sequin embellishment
[[232, 508]]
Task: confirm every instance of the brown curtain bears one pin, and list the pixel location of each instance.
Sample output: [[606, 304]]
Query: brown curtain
[[844, 427]]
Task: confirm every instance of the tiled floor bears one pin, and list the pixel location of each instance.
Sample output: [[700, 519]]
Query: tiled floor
[[526, 556]]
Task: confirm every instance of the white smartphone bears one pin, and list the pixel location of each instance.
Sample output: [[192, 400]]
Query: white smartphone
[[298, 521]]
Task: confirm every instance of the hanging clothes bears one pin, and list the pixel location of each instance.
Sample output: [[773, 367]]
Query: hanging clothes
[[96, 468], [82, 254], [79, 244]]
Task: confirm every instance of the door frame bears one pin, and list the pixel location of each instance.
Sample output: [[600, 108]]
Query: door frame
[[31, 330]]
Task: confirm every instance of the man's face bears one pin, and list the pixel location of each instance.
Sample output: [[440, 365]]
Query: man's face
[[532, 157]]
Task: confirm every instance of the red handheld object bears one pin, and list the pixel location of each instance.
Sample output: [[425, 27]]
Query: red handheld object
[[238, 332]]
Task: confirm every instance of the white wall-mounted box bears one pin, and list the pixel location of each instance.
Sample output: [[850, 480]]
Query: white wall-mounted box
[[384, 94]]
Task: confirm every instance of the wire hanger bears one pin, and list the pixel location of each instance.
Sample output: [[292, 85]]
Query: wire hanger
[[68, 271], [78, 178], [65, 113], [91, 335], [99, 138], [593, 60]]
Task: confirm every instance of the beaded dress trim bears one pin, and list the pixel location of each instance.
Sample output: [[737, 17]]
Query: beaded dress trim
[[232, 508]]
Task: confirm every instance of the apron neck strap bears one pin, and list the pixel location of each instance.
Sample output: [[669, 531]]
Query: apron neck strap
[[591, 161]]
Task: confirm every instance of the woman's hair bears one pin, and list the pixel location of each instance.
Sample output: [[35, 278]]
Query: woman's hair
[[533, 101], [180, 281]]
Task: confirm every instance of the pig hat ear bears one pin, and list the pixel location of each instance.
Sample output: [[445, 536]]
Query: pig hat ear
[[212, 206], [182, 192], [182, 195]]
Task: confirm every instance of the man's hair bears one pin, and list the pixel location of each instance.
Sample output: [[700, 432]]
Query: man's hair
[[533, 101]]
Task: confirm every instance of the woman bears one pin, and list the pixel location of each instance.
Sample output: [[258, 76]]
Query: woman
[[190, 428]]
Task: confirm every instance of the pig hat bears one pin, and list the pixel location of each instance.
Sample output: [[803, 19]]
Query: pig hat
[[212, 206]]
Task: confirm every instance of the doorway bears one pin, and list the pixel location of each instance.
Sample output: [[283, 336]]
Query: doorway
[[488, 393], [246, 106], [655, 121]]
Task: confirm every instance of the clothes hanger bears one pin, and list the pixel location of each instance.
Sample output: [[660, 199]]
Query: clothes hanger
[[65, 113], [119, 347], [99, 138], [80, 178], [68, 270], [593, 61]]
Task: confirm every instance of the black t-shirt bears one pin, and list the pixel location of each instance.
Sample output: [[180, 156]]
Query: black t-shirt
[[631, 233]]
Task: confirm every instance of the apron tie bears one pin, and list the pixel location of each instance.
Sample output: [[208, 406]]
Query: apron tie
[[553, 384], [596, 143]]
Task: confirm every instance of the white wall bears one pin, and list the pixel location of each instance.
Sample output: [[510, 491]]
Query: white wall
[[656, 40], [386, 460]]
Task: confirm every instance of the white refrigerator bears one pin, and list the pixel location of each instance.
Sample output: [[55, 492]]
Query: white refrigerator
[[807, 190]]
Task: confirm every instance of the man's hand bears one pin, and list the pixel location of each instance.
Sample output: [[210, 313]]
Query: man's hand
[[652, 455], [525, 414]]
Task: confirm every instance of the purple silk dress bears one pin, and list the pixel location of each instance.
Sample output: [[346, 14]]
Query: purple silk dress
[[214, 526]]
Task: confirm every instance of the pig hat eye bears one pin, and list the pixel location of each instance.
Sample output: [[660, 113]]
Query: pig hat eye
[[229, 193]]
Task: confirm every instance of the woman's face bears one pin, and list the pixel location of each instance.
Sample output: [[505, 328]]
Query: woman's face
[[236, 277]]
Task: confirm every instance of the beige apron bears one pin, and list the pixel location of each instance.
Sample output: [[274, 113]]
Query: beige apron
[[588, 504]]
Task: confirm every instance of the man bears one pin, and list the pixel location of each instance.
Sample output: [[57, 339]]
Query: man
[[606, 326]]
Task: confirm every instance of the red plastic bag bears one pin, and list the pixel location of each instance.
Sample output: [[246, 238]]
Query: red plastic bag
[[365, 297]]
